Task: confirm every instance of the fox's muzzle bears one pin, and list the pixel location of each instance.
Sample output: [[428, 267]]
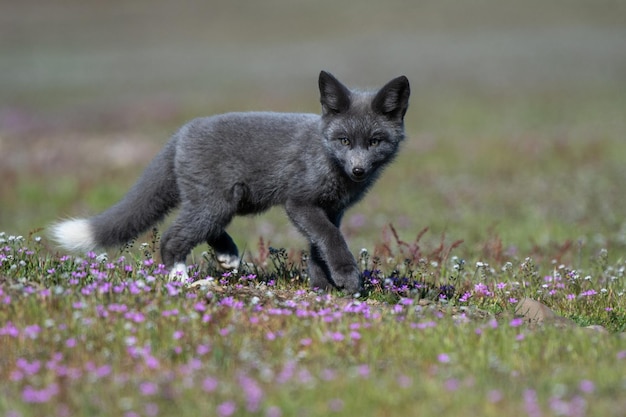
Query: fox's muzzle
[[358, 165]]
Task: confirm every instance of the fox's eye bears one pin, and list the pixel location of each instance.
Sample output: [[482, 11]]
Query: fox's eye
[[344, 141], [374, 142]]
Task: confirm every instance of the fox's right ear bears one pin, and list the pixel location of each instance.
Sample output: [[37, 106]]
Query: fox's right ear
[[393, 99], [334, 96]]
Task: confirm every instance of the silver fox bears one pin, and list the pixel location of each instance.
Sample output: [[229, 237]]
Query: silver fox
[[242, 163]]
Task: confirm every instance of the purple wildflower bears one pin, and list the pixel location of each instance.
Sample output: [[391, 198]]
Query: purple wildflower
[[286, 373], [102, 371], [148, 388], [335, 405], [151, 362], [273, 411], [443, 358], [151, 410], [328, 374], [531, 404], [466, 296], [587, 386], [452, 384], [135, 317], [574, 408], [160, 270], [336, 336], [494, 396], [252, 391], [363, 371], [404, 381], [209, 384], [226, 409], [32, 332], [482, 290], [32, 395], [203, 350]]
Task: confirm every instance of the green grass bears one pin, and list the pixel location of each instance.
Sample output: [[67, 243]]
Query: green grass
[[113, 337]]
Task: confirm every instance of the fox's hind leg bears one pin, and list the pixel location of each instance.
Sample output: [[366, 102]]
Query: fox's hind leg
[[226, 251], [192, 227]]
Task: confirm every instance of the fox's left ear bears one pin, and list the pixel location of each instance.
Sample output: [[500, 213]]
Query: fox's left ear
[[393, 99], [334, 96]]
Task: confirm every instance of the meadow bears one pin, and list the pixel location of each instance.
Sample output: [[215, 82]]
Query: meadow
[[510, 185]]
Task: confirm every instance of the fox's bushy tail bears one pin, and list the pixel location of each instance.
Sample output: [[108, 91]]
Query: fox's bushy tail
[[147, 202]]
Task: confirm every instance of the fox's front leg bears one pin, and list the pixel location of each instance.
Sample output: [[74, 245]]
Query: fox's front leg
[[319, 275], [331, 262]]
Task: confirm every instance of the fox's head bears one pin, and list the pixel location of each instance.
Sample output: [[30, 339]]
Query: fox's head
[[362, 130]]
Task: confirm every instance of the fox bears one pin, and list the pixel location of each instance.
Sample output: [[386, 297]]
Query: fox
[[213, 168]]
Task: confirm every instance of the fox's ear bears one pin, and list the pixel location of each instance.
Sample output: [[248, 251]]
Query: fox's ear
[[334, 96], [393, 99]]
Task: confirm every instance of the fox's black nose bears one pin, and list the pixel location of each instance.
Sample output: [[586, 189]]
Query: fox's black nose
[[358, 172]]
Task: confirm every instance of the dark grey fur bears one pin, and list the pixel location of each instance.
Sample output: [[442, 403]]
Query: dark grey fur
[[240, 163]]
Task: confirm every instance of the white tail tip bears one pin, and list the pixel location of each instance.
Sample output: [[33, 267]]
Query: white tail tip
[[74, 235]]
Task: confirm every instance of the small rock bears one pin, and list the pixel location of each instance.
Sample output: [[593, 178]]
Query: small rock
[[207, 282], [559, 321], [597, 328], [533, 312]]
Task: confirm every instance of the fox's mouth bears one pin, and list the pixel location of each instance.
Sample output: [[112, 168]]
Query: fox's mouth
[[358, 175], [358, 179]]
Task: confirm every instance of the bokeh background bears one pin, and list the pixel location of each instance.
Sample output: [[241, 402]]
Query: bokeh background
[[516, 131]]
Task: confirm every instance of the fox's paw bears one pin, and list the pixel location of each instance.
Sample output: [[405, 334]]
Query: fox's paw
[[348, 278], [320, 283], [227, 261], [179, 272]]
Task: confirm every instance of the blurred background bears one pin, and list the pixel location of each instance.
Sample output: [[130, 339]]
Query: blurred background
[[516, 131]]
